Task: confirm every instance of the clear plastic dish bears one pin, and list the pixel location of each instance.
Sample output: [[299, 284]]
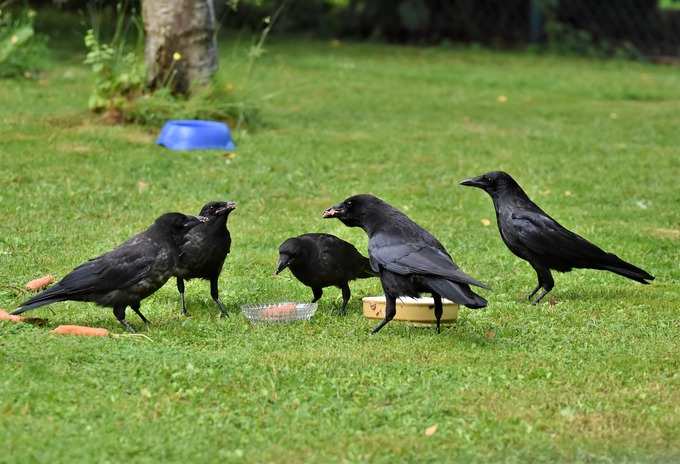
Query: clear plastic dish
[[279, 312]]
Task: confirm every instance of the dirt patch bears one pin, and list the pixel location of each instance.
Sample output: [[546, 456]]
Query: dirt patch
[[673, 234]]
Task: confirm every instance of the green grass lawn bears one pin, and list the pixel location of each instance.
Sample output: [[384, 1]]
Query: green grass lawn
[[592, 377]]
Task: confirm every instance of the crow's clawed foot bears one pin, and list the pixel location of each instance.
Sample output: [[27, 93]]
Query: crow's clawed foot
[[533, 292], [223, 310], [341, 311], [127, 326], [377, 328], [540, 297]]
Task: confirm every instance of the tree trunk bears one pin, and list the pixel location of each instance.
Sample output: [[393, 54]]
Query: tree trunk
[[181, 42]]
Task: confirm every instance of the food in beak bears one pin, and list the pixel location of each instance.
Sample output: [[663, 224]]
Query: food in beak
[[330, 212]]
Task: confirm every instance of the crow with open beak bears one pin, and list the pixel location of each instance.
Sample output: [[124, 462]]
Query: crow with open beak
[[204, 250], [126, 275], [408, 258]]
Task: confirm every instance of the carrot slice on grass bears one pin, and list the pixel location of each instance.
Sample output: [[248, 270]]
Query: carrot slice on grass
[[80, 330], [40, 283], [5, 316]]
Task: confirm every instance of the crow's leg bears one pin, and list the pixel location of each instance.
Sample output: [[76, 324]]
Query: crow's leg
[[346, 294], [135, 308], [438, 309], [545, 280], [180, 289], [318, 292], [390, 312], [119, 312], [215, 294]]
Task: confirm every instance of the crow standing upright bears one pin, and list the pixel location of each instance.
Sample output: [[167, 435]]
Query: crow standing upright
[[409, 259], [537, 238], [126, 275], [323, 260], [205, 249]]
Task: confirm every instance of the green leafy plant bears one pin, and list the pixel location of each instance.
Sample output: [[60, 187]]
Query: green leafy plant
[[216, 100], [21, 50], [119, 73], [122, 94]]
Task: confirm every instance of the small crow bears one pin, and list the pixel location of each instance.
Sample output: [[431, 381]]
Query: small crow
[[322, 260], [409, 259], [206, 247], [126, 275], [537, 238]]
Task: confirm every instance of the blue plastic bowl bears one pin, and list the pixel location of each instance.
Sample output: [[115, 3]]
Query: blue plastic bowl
[[194, 134]]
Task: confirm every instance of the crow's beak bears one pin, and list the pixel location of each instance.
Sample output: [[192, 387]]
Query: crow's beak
[[283, 263], [474, 182], [229, 206], [333, 211]]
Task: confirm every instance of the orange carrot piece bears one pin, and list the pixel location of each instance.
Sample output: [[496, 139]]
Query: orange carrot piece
[[38, 284], [5, 316], [80, 330], [279, 310]]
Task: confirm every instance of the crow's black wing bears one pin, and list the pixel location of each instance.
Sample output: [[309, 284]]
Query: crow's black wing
[[546, 238], [117, 269], [415, 258]]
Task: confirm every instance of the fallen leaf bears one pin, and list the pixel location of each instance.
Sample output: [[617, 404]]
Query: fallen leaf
[[230, 155], [567, 193], [490, 334], [430, 430], [142, 186], [552, 301], [40, 283], [502, 99], [486, 222]]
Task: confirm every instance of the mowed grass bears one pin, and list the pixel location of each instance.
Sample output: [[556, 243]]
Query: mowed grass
[[594, 376]]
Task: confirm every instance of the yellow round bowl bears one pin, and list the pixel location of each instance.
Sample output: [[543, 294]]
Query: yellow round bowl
[[416, 311]]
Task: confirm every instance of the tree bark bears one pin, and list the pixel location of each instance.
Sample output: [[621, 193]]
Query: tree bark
[[181, 43]]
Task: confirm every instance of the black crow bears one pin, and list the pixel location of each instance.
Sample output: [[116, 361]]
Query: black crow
[[537, 238], [322, 260], [409, 259], [126, 275], [206, 247]]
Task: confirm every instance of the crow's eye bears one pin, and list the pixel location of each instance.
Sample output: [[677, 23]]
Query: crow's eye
[[348, 204]]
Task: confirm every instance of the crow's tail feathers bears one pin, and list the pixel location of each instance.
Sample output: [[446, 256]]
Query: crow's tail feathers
[[457, 292], [622, 268], [49, 296], [366, 271]]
